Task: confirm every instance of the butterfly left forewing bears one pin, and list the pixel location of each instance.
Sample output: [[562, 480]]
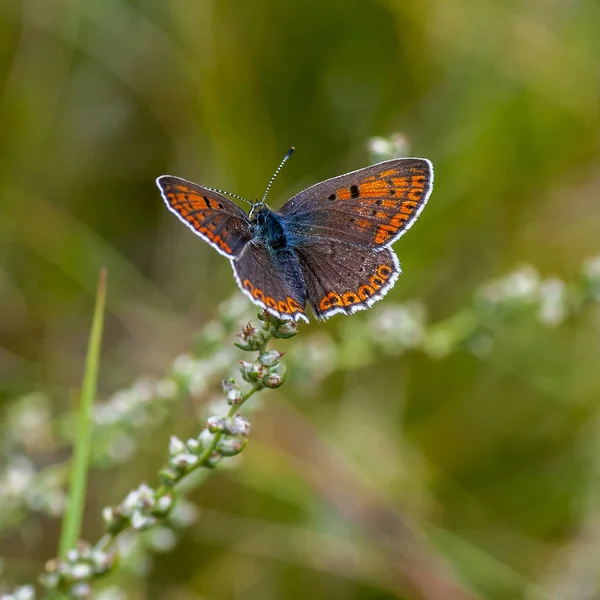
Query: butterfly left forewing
[[370, 207], [210, 215]]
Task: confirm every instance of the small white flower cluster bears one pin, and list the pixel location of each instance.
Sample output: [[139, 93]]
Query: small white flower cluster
[[28, 425], [591, 274], [264, 370], [553, 302], [232, 392], [110, 593], [142, 406], [127, 403], [236, 425], [185, 456], [195, 375], [21, 485], [146, 403], [25, 592], [74, 573], [141, 509], [386, 148], [522, 286], [396, 327], [524, 289], [26, 433]]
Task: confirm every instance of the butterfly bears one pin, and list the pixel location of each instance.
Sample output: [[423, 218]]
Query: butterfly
[[329, 246]]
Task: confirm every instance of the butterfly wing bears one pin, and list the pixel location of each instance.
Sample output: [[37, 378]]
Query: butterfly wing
[[343, 278], [272, 280], [371, 207], [212, 216]]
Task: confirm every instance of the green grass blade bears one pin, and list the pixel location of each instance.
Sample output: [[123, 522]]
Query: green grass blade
[[71, 529]]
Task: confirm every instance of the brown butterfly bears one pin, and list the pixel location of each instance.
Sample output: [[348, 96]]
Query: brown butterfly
[[330, 245]]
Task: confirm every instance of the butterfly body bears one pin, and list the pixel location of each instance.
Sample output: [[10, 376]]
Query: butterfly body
[[328, 246], [269, 228]]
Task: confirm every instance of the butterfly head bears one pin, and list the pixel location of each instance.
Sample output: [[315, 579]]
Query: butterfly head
[[258, 212]]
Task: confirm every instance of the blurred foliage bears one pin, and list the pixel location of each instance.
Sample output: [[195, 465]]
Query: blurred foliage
[[494, 453]]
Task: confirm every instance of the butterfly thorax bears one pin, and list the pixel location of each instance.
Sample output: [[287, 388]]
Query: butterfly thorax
[[268, 228]]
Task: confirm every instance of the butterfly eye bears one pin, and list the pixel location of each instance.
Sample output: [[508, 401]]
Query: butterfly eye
[[254, 212], [257, 213]]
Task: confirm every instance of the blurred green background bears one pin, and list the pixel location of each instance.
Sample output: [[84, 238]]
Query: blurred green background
[[491, 459]]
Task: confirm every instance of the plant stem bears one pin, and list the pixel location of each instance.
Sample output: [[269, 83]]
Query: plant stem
[[72, 521]]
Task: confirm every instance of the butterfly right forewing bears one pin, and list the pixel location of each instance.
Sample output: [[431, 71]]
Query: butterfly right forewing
[[371, 207], [210, 215]]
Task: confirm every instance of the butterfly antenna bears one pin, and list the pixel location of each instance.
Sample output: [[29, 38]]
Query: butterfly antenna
[[229, 194], [289, 153]]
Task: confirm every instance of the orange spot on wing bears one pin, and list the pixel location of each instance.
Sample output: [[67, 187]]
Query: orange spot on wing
[[384, 271], [330, 300], [384, 233], [350, 298], [417, 181], [376, 282], [389, 204], [399, 219], [343, 194], [287, 306], [388, 173], [375, 189], [192, 208], [197, 203], [294, 306], [362, 294], [400, 182], [362, 224], [365, 291]]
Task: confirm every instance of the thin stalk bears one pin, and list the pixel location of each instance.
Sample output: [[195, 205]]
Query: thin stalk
[[71, 528]]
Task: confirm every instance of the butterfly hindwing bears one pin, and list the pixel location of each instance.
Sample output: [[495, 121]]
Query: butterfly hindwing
[[371, 207], [212, 216], [272, 280], [341, 278]]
